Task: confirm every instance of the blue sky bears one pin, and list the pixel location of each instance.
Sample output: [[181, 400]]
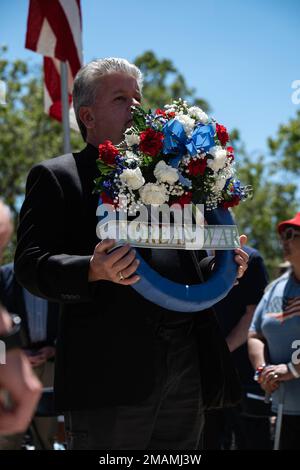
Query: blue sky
[[241, 56]]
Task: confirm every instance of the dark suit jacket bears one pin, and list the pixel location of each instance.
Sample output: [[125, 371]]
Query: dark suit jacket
[[11, 295], [105, 349]]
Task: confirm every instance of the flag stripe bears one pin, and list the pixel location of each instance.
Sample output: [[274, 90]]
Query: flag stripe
[[73, 17], [52, 83], [291, 315], [47, 100], [79, 10], [34, 25], [51, 77], [47, 40]]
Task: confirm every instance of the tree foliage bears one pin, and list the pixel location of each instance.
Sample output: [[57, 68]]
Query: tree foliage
[[285, 146], [272, 202], [163, 83]]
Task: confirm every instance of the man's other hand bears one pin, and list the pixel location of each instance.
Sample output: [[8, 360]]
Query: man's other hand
[[241, 257]]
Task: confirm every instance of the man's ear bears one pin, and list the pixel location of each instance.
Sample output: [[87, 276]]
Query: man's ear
[[86, 116]]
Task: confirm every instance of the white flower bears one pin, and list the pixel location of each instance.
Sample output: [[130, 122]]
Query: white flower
[[132, 139], [219, 184], [187, 122], [165, 173], [198, 113], [131, 157], [170, 108], [219, 158], [132, 178], [153, 193]]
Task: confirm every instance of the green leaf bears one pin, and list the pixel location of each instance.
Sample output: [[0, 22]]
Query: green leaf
[[104, 168], [139, 118]]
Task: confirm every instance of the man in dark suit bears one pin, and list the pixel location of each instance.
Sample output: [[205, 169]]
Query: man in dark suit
[[39, 332], [128, 373]]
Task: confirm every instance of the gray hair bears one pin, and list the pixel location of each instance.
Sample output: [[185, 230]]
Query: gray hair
[[85, 89]]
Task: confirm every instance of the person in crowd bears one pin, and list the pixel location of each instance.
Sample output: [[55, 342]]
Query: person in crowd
[[39, 331], [274, 338], [20, 390]]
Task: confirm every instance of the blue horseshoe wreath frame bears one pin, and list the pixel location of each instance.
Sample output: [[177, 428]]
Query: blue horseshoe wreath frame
[[186, 298], [191, 298]]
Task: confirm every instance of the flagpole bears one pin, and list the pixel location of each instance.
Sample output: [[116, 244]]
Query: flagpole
[[65, 106]]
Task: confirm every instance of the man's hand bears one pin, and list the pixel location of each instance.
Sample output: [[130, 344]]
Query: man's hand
[[118, 266], [24, 390], [241, 257]]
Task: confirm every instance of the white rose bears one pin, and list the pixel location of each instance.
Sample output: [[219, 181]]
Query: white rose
[[219, 158], [131, 157], [165, 173], [199, 114], [187, 122], [132, 139], [153, 193], [132, 178]]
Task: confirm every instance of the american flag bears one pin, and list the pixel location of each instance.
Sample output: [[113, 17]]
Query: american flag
[[291, 308], [54, 30]]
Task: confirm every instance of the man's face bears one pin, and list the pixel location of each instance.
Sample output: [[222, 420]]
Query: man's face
[[111, 111]]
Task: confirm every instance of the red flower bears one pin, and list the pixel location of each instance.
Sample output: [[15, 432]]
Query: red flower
[[230, 153], [106, 199], [160, 112], [197, 167], [151, 142], [234, 202], [108, 152], [222, 134], [171, 115], [184, 199]]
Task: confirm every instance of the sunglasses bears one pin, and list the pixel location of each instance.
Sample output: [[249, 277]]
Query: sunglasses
[[289, 234]]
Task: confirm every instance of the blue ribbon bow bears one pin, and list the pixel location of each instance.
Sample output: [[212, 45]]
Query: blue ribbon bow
[[176, 140]]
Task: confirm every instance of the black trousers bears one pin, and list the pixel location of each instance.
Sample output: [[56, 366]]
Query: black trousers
[[229, 428], [290, 432], [171, 418]]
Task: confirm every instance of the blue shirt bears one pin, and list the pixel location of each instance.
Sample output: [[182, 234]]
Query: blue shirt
[[277, 319], [37, 311]]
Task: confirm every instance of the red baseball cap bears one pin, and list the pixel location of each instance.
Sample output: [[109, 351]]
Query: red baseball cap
[[295, 221]]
